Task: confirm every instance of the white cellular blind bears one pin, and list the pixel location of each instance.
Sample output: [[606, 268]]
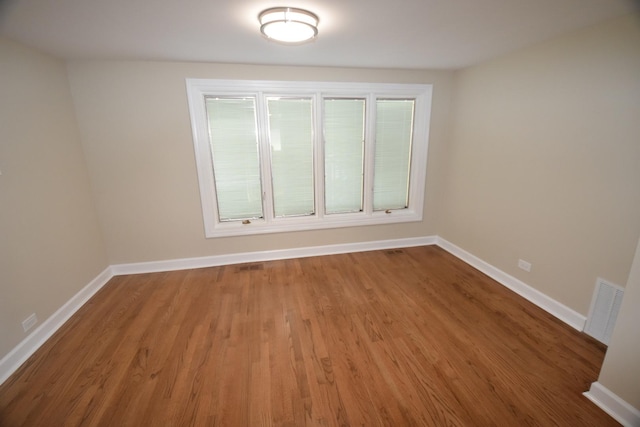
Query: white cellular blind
[[291, 141], [394, 134], [236, 166], [343, 154]]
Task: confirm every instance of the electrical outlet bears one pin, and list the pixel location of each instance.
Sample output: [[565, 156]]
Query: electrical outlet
[[29, 322], [526, 266]]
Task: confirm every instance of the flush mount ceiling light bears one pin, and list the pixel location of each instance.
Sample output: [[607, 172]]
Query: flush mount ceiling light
[[288, 24]]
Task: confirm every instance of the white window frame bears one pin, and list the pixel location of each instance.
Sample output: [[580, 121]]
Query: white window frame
[[198, 89]]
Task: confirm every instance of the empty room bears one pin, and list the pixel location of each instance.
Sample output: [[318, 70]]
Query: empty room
[[319, 213]]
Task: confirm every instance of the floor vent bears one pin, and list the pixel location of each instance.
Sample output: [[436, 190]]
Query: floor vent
[[249, 267], [394, 251], [605, 305]]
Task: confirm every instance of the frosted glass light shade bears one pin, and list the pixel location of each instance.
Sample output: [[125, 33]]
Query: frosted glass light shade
[[288, 24]]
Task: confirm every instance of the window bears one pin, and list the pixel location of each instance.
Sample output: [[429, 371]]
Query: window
[[290, 124], [284, 156], [343, 154]]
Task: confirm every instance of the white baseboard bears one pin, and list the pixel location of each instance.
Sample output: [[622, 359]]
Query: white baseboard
[[12, 361], [239, 258], [613, 405], [562, 312], [16, 357]]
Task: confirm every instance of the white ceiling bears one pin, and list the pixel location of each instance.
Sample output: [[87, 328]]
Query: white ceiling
[[352, 33]]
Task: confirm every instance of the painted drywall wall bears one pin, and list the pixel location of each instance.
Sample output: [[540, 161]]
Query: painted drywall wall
[[544, 163], [620, 370], [136, 133], [50, 241]]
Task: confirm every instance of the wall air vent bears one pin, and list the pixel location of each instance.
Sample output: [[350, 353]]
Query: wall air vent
[[605, 305]]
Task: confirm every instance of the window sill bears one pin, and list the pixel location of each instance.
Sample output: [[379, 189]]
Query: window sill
[[237, 228]]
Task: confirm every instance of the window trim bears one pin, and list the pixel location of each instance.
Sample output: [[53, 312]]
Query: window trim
[[198, 89]]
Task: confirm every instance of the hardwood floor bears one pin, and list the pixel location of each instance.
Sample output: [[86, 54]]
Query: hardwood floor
[[410, 337]]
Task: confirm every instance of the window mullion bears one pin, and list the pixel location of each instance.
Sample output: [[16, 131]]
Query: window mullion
[[265, 158], [369, 151]]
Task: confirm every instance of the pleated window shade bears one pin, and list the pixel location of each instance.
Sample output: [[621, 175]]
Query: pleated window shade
[[291, 142], [236, 162], [344, 121], [393, 140]]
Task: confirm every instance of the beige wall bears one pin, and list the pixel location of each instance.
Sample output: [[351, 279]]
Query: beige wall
[[621, 371], [50, 243], [136, 133], [545, 161]]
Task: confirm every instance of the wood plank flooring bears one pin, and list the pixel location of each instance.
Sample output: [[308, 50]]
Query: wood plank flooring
[[407, 337]]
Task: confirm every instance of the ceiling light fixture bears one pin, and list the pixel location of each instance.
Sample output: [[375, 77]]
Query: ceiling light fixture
[[288, 24]]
